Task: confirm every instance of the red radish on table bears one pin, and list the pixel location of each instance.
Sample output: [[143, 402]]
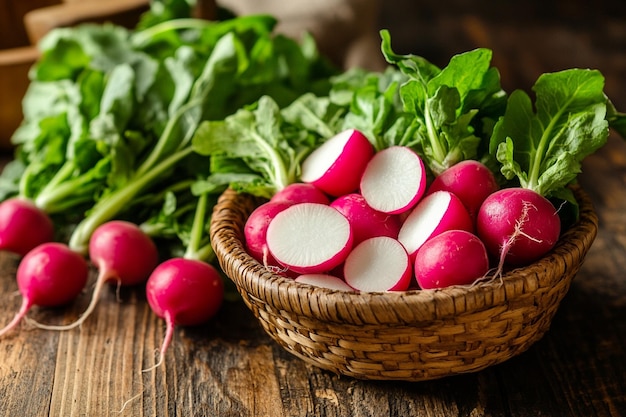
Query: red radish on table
[[378, 264], [309, 238], [454, 257], [434, 214], [470, 180], [23, 226], [336, 166], [301, 192], [50, 275], [325, 281], [394, 180], [365, 221]]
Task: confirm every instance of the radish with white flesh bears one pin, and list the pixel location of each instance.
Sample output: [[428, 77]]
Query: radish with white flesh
[[378, 264], [336, 166], [471, 181], [50, 275], [454, 257], [185, 292], [309, 238], [394, 180], [365, 221], [518, 226], [123, 254], [255, 231], [434, 214], [23, 226], [301, 192], [325, 281]]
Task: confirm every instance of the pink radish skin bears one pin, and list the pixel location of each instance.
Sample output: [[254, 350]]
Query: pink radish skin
[[337, 165], [469, 180], [301, 192], [434, 214], [455, 257], [365, 221], [255, 231], [378, 264], [324, 281], [518, 226], [184, 292], [23, 226], [50, 275], [309, 238], [123, 254], [394, 180]]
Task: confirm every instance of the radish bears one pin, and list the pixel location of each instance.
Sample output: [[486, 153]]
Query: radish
[[301, 192], [325, 281], [394, 180], [123, 254], [434, 214], [365, 221], [184, 292], [336, 166], [309, 238], [454, 257], [518, 226], [50, 275], [378, 264], [23, 226], [471, 181], [255, 231]]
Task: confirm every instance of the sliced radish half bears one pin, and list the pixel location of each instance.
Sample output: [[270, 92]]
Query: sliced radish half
[[325, 281], [394, 180], [378, 264], [309, 238], [337, 165], [434, 214]]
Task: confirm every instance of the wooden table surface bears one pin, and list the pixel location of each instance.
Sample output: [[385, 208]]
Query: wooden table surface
[[230, 367]]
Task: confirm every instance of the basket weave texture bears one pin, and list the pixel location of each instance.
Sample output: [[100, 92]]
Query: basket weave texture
[[414, 335]]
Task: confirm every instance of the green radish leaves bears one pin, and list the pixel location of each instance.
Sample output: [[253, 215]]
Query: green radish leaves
[[542, 147]]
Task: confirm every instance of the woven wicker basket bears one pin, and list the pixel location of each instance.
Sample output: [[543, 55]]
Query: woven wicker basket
[[414, 335]]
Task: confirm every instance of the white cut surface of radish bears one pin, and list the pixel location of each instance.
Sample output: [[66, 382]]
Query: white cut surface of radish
[[378, 264], [394, 180], [421, 223], [309, 237], [325, 281]]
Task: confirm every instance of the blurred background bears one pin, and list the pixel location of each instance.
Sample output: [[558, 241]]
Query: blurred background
[[527, 38]]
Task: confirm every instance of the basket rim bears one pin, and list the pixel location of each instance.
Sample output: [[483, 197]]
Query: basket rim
[[404, 307]]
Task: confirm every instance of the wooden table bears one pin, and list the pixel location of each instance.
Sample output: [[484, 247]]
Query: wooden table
[[230, 367]]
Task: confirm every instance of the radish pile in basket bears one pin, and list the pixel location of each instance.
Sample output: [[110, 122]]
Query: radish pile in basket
[[367, 221]]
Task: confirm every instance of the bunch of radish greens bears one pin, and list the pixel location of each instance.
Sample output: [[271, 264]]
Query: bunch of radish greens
[[429, 176], [105, 170]]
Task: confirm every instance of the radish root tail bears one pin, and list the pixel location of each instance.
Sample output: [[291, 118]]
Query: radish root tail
[[18, 317], [167, 340]]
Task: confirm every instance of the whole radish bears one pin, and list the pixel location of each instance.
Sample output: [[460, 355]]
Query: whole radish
[[123, 254], [518, 226], [184, 292], [50, 275], [23, 226], [255, 231], [301, 192]]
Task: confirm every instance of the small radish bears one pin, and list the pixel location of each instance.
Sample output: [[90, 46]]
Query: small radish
[[337, 165], [123, 254], [469, 180], [23, 226], [50, 275], [518, 226], [301, 192], [309, 238], [454, 257], [325, 281], [434, 214], [255, 231], [378, 264], [184, 292], [394, 180], [365, 221]]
